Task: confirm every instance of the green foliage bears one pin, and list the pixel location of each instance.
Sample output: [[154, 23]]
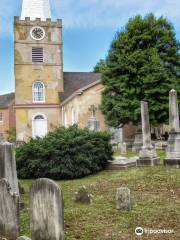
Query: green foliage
[[64, 154], [11, 135], [100, 66], [143, 63]]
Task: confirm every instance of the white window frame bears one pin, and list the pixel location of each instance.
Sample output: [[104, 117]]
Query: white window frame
[[65, 119], [34, 93], [73, 116]]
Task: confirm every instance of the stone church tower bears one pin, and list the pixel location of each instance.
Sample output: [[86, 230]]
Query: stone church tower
[[38, 70]]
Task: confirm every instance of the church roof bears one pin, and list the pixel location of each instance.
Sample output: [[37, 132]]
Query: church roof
[[74, 81], [6, 100]]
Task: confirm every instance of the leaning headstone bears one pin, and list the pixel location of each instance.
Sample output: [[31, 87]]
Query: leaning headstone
[[82, 196], [46, 210], [23, 238], [147, 155], [173, 148], [9, 212], [123, 199], [8, 165]]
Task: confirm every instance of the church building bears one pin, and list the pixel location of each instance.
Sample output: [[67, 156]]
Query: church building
[[45, 96]]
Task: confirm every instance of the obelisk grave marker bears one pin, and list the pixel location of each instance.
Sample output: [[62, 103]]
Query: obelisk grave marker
[[173, 148], [147, 155]]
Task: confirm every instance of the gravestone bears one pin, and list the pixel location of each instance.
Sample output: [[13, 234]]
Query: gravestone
[[46, 210], [9, 212], [138, 141], [122, 163], [93, 124], [123, 199], [123, 148], [23, 238], [173, 148], [8, 165], [82, 196], [147, 155]]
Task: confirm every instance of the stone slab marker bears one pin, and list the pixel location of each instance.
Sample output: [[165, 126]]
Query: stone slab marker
[[123, 199], [8, 165], [9, 212], [147, 155], [46, 210], [173, 148], [23, 238]]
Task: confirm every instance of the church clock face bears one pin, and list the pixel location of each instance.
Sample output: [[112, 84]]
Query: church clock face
[[37, 33]]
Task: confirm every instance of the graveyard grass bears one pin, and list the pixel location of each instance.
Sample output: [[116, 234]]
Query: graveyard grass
[[156, 196]]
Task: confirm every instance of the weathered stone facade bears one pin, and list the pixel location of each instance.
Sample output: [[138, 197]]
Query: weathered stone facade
[[76, 108], [49, 72]]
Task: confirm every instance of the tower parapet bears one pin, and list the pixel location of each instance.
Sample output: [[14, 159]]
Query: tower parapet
[[36, 9]]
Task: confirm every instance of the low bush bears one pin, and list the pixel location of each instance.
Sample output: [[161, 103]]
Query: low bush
[[65, 153]]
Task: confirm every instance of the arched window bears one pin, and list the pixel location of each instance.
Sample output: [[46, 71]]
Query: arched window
[[73, 116], [65, 120], [38, 92]]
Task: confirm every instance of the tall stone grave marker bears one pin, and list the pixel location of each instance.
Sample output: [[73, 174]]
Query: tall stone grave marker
[[8, 165], [173, 148], [46, 211], [147, 155], [93, 124], [9, 212]]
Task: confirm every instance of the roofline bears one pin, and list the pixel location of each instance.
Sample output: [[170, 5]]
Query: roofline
[[80, 92], [11, 102]]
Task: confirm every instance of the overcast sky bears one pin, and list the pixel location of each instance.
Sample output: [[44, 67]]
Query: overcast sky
[[88, 29]]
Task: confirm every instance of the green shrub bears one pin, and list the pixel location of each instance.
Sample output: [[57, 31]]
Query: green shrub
[[65, 153]]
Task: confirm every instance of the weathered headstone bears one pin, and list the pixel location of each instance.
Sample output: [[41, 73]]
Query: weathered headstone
[[138, 141], [93, 124], [173, 148], [8, 165], [147, 155], [21, 188], [82, 196], [23, 238], [122, 163], [123, 148], [46, 210], [123, 199], [9, 212]]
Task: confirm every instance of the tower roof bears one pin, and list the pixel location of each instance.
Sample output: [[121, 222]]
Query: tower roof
[[36, 9]]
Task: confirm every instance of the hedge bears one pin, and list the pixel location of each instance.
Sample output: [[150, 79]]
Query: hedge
[[65, 153]]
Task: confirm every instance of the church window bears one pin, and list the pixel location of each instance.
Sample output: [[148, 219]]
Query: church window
[[37, 55], [1, 117], [73, 116], [38, 92], [65, 120]]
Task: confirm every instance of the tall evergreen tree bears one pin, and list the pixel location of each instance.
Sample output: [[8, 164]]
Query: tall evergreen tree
[[143, 63], [100, 66]]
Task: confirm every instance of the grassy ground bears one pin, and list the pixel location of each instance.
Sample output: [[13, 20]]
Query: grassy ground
[[156, 205]]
